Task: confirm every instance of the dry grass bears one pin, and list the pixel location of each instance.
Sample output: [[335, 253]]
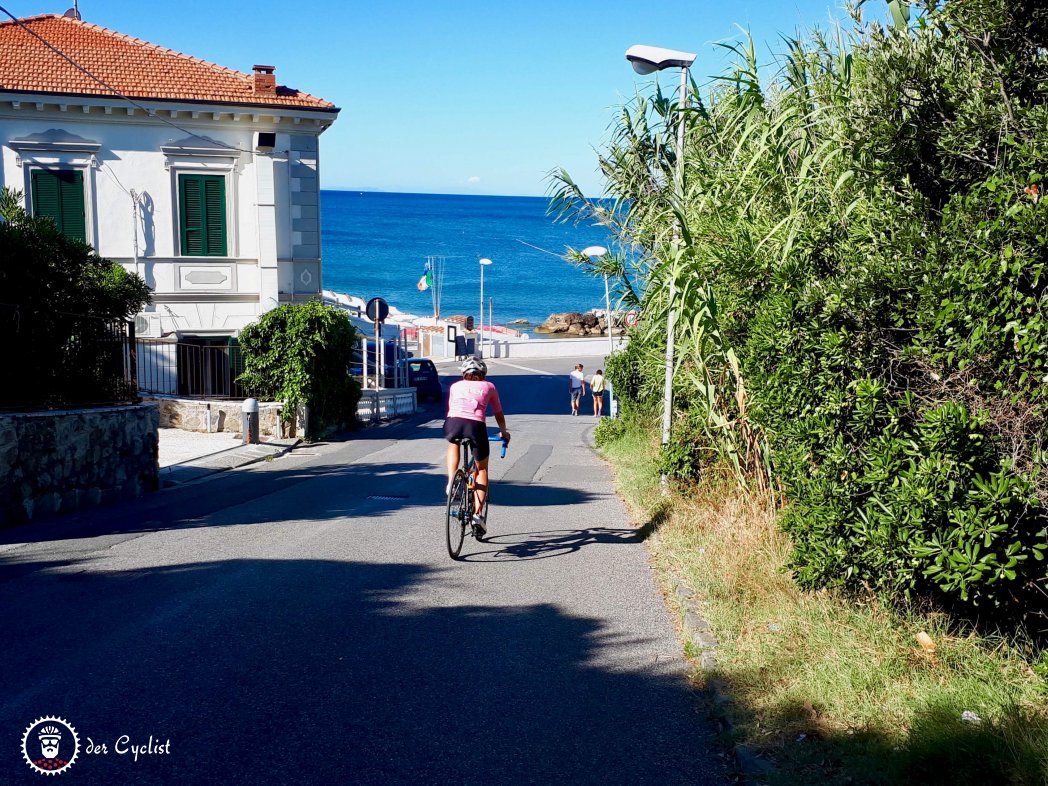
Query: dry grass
[[837, 690]]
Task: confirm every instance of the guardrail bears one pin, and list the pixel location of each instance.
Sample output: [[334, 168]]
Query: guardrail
[[375, 405]]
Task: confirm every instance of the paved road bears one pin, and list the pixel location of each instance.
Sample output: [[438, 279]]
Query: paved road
[[300, 621]]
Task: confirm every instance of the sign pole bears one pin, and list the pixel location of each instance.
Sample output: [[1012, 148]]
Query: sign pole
[[378, 360]]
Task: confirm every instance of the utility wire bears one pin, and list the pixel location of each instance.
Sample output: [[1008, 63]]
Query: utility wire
[[543, 250], [150, 112]]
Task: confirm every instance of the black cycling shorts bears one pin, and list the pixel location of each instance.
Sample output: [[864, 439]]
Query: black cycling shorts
[[463, 428]]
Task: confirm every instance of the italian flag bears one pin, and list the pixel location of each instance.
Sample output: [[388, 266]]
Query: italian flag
[[426, 281]]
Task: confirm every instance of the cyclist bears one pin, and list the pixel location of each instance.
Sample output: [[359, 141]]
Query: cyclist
[[468, 402]]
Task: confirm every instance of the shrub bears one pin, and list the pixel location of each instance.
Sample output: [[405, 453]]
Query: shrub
[[688, 450], [608, 431], [859, 259], [300, 354], [58, 334]]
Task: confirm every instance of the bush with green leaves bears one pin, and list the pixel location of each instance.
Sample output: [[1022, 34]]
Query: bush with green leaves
[[300, 354], [608, 430], [60, 316], [858, 253]]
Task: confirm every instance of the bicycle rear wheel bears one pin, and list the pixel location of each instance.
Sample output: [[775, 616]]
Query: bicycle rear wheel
[[457, 514]]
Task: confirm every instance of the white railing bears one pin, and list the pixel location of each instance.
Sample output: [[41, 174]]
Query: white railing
[[375, 405]]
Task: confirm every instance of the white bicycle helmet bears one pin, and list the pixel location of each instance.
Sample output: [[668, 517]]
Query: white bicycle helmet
[[474, 366]]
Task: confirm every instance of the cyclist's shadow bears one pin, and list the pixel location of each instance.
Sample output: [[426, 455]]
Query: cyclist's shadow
[[544, 544]]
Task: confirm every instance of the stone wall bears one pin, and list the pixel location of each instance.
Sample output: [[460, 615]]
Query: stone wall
[[193, 415], [56, 462]]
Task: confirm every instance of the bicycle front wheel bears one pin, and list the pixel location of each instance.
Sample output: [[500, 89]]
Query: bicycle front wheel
[[457, 514]]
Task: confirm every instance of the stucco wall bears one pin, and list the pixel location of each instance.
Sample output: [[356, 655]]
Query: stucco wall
[[56, 462], [272, 202]]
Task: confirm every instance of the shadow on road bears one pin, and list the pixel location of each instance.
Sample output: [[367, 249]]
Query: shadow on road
[[315, 671], [358, 491], [550, 543]]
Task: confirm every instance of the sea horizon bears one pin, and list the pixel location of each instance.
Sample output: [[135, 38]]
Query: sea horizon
[[376, 244], [443, 193]]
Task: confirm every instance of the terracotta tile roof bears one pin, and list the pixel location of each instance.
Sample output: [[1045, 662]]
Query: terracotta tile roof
[[136, 68]]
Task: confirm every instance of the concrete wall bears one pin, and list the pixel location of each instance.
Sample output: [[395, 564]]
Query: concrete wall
[[194, 414], [551, 348], [56, 462]]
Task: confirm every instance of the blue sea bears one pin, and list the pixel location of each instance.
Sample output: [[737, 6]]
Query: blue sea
[[376, 245]]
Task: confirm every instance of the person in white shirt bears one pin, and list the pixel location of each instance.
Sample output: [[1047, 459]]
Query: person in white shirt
[[576, 387]]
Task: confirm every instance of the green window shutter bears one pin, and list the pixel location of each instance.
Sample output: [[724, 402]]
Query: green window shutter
[[202, 215], [59, 194], [191, 215], [215, 214], [71, 186]]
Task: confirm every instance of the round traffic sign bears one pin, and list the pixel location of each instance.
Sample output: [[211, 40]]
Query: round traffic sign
[[377, 309], [630, 319]]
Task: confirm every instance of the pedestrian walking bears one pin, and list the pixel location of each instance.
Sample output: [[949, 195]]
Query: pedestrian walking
[[576, 387], [597, 389]]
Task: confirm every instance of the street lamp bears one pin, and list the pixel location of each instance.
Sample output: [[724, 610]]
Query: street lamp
[[480, 334], [648, 60], [595, 252]]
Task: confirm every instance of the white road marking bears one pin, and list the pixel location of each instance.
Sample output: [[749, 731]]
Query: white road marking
[[522, 368]]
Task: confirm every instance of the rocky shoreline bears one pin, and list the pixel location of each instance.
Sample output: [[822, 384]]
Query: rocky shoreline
[[576, 323]]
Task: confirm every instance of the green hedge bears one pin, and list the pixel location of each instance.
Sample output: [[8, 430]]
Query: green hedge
[[874, 236], [300, 354]]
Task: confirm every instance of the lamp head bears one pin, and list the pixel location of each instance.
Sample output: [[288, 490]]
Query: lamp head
[[649, 59], [485, 261], [594, 251]]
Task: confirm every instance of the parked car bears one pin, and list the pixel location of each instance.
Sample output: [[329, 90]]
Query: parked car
[[422, 375]]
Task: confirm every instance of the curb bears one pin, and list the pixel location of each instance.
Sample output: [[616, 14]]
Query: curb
[[699, 634], [199, 468]]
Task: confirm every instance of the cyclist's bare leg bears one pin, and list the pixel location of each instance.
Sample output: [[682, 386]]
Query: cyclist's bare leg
[[453, 459], [482, 485]]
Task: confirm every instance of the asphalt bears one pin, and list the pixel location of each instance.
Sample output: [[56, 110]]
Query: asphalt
[[200, 467], [299, 621]]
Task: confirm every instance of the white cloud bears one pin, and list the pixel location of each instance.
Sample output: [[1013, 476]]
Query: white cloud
[[473, 180]]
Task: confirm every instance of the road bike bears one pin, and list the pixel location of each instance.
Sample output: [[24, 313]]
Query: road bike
[[462, 498]]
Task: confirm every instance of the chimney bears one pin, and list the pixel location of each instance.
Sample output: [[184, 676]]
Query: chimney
[[265, 81]]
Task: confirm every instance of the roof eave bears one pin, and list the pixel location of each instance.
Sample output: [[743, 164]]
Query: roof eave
[[240, 105]]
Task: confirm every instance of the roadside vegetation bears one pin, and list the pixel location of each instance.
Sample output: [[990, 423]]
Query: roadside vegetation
[[858, 249], [827, 687], [61, 312], [300, 354]]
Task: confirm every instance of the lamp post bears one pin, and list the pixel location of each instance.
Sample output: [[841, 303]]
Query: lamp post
[[594, 252], [648, 60], [480, 333]]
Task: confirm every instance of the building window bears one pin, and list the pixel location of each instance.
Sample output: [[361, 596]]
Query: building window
[[202, 215], [59, 195]]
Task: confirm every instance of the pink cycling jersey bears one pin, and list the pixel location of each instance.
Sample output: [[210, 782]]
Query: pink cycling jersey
[[469, 399]]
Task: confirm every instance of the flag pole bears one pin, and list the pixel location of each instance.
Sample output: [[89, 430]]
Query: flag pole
[[433, 289], [438, 285]]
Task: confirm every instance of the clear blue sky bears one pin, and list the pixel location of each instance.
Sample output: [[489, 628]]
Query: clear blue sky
[[456, 96]]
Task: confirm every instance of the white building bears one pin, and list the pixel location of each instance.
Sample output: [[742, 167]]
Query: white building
[[201, 178]]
